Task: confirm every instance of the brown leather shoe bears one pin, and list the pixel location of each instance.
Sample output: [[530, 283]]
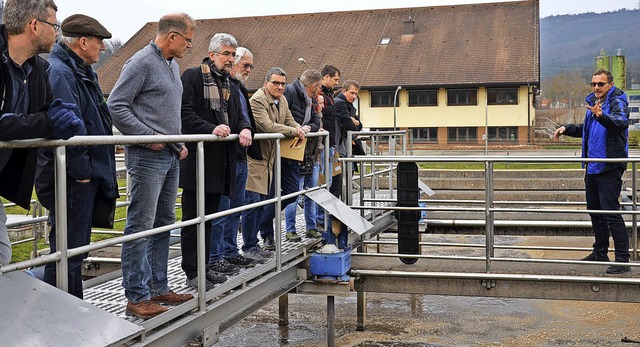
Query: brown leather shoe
[[145, 309], [172, 298]]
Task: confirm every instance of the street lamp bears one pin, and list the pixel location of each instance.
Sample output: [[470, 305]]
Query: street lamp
[[304, 62], [395, 98]]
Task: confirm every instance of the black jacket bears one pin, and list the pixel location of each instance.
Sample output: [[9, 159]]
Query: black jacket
[[219, 157], [297, 99], [345, 112], [329, 120], [17, 166], [254, 150]]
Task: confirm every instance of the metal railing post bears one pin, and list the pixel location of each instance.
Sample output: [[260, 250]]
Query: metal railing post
[[62, 275], [328, 174], [349, 174], [634, 204], [278, 193], [202, 277], [488, 182]]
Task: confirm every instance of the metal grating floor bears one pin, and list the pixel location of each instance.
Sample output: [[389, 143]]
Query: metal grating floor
[[109, 295]]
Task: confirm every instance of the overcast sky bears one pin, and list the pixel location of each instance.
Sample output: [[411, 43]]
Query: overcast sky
[[123, 18]]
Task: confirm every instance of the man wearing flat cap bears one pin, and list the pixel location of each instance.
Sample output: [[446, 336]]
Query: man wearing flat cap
[[91, 176]]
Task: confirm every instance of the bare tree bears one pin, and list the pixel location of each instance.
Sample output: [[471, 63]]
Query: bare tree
[[111, 48]]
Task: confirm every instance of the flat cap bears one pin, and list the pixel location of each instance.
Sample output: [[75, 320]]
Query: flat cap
[[79, 25]]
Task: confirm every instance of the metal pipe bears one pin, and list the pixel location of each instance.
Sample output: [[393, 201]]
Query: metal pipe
[[278, 188], [349, 174], [62, 275], [489, 237], [331, 321], [634, 218], [492, 276], [201, 266]]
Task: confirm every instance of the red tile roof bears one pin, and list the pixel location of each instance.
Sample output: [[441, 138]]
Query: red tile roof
[[479, 44]]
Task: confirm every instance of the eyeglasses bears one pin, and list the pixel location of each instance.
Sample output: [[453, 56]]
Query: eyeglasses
[[184, 37], [599, 84], [248, 66], [226, 53], [276, 83], [55, 26]]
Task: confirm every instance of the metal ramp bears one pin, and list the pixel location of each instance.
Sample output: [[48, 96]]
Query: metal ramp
[[44, 315]]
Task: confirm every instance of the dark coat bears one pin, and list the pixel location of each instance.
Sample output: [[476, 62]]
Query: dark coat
[[219, 157], [97, 163], [329, 120], [254, 150], [18, 166], [345, 111], [297, 99]]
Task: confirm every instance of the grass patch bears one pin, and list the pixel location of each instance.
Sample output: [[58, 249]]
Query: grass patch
[[23, 251]]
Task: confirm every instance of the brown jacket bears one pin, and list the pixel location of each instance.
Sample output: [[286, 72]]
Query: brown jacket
[[269, 119]]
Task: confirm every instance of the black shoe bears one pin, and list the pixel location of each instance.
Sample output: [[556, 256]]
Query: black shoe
[[617, 269], [240, 261], [268, 244], [594, 257]]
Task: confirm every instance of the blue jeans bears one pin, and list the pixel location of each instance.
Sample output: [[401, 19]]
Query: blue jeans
[[154, 187], [251, 220], [289, 184], [305, 181], [228, 225], [80, 204], [602, 191], [328, 179]]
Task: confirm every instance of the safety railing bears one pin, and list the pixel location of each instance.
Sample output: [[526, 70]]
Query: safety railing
[[63, 253], [491, 207]]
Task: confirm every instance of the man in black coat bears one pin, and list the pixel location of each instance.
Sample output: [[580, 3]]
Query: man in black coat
[[229, 225], [27, 108], [210, 106]]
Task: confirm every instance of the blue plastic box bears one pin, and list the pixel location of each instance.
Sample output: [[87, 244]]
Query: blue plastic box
[[331, 264]]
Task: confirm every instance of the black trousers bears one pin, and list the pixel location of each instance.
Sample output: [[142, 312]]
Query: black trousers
[[189, 235]]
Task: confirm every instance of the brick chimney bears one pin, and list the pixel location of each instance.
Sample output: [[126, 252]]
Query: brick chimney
[[409, 27]]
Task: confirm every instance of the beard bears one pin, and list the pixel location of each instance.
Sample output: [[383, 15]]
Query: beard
[[43, 45], [240, 76]]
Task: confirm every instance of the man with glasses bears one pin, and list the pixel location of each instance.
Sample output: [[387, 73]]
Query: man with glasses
[[92, 188], [605, 134], [27, 105], [210, 106], [301, 96], [271, 111], [228, 225], [146, 100]]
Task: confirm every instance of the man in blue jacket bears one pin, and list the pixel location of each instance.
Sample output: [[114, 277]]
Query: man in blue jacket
[[28, 109], [91, 171], [604, 135]]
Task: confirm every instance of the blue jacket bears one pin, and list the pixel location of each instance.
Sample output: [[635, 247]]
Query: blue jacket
[[18, 166], [97, 163], [607, 136]]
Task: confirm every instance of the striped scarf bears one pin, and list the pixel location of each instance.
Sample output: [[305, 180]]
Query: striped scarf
[[216, 89]]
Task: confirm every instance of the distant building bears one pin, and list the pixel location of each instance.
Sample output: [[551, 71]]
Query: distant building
[[461, 68]]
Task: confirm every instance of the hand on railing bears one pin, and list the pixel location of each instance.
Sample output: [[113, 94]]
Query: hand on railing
[[64, 121]]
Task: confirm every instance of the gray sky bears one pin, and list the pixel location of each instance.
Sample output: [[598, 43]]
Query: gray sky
[[123, 18]]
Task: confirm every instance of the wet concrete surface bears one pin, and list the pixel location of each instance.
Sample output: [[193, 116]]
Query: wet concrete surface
[[411, 320]]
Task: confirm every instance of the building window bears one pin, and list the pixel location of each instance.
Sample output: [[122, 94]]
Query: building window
[[462, 134], [383, 99], [423, 98], [503, 133], [502, 96], [425, 134], [462, 97]]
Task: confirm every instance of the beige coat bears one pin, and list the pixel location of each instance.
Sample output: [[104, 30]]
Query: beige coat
[[269, 119]]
